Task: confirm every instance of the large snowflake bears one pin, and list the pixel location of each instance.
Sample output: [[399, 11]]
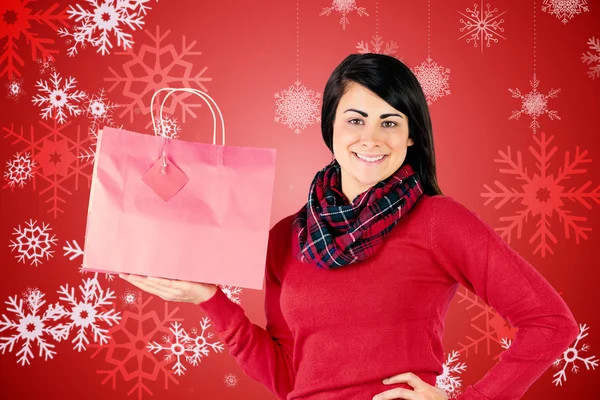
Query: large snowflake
[[154, 66], [180, 345], [344, 7], [377, 45], [534, 104], [488, 327], [543, 195], [57, 99], [19, 170], [19, 24], [482, 25], [449, 381], [572, 355], [297, 107], [434, 80], [99, 20], [565, 10], [54, 149], [126, 353], [33, 243], [31, 326], [86, 312], [593, 58]]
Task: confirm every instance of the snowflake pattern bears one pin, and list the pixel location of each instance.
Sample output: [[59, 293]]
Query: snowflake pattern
[[344, 7], [534, 104], [543, 195], [449, 381], [297, 107], [434, 80], [20, 24], [99, 110], [488, 327], [99, 20], [482, 25], [181, 344], [572, 355], [167, 127], [57, 166], [162, 66], [86, 312], [232, 292], [126, 353], [31, 326], [46, 65], [565, 10], [230, 380], [33, 243], [377, 45], [129, 298], [57, 98], [19, 170], [591, 58], [14, 89]]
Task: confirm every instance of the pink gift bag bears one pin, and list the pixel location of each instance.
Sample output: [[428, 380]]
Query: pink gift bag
[[179, 210]]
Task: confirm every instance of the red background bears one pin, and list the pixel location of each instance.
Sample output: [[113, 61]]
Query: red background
[[249, 52]]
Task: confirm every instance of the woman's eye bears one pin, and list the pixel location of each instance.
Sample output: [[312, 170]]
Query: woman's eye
[[389, 124], [355, 121]]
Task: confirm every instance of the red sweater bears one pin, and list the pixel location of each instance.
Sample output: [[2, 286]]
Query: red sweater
[[335, 334]]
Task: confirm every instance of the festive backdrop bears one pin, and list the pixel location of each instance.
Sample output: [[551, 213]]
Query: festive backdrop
[[513, 88]]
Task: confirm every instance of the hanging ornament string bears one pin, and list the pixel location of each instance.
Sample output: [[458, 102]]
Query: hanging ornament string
[[534, 37], [428, 29]]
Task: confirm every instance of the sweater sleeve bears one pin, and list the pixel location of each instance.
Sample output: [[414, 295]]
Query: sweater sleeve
[[479, 259], [264, 355]]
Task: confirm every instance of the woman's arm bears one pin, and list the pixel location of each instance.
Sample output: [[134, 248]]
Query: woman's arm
[[479, 259], [264, 355]]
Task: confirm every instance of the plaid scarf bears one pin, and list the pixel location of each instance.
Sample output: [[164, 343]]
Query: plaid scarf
[[333, 233]]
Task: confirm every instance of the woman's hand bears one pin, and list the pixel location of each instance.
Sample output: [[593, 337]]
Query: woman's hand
[[173, 290], [422, 390]]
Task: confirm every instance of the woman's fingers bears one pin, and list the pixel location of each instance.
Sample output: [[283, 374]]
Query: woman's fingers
[[154, 287]]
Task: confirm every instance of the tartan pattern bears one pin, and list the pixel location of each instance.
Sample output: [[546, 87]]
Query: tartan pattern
[[332, 233]]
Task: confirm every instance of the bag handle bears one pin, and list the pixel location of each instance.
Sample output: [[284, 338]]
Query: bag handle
[[204, 96]]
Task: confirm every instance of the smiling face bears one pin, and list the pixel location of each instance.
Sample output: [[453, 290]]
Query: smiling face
[[370, 139]]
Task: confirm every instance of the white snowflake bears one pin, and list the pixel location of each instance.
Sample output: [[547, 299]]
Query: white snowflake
[[101, 19], [129, 298], [565, 10], [344, 7], [230, 380], [168, 127], [505, 343], [99, 110], [14, 89], [30, 295], [56, 99], [192, 348], [297, 107], [379, 47], [87, 313], [590, 58], [482, 25], [73, 250], [573, 354], [433, 79], [32, 327], [19, 170], [33, 243], [534, 104], [448, 380], [232, 292], [46, 64]]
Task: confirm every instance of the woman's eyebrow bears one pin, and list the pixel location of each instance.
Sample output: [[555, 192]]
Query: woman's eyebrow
[[382, 116]]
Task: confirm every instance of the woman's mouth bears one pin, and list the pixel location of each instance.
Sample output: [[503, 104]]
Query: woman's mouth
[[370, 159]]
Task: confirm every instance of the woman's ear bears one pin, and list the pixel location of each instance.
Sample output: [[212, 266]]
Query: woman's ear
[[410, 142]]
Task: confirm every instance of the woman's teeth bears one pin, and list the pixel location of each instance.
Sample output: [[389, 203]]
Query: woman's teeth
[[369, 159]]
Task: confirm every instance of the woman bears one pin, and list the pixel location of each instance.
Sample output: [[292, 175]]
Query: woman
[[358, 282]]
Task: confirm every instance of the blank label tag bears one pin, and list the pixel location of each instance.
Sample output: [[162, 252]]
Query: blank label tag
[[166, 185]]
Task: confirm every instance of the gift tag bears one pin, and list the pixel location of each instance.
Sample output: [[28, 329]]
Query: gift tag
[[165, 179]]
